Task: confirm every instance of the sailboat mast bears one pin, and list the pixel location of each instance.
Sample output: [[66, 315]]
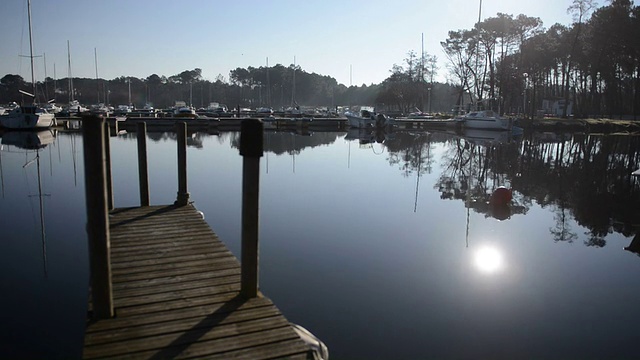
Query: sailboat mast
[[69, 70], [293, 91], [55, 82], [33, 77], [46, 88], [268, 85], [95, 55]]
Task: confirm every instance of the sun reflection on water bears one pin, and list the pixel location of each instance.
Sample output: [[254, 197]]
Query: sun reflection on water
[[488, 259]]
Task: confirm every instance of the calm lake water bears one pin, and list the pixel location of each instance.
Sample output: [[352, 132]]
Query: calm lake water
[[384, 250]]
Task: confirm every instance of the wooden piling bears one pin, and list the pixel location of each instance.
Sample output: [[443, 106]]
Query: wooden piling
[[107, 153], [251, 148], [143, 172], [97, 216], [183, 194]]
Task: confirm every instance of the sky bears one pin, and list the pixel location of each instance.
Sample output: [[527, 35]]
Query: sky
[[354, 41]]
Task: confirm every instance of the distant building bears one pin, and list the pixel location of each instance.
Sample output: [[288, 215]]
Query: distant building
[[555, 107]]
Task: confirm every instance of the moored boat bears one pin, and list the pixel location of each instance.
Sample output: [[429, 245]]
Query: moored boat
[[28, 116], [485, 119], [367, 118], [185, 112]]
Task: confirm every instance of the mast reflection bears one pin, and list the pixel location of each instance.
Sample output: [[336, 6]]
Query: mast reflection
[[33, 140]]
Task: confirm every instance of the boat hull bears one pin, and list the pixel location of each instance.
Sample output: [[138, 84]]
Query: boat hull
[[487, 123], [27, 121], [360, 122]]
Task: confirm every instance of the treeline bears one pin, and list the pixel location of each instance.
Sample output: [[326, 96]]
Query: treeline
[[514, 63], [251, 87], [275, 86]]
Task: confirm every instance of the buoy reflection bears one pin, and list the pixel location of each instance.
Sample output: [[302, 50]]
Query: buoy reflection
[[488, 259]]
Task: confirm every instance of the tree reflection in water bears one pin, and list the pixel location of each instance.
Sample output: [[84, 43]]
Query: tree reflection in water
[[581, 176]]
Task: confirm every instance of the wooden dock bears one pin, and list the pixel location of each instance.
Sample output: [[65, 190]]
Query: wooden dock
[[163, 285], [176, 295]]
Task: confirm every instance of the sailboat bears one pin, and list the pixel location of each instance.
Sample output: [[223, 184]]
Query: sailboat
[[74, 107], [28, 116]]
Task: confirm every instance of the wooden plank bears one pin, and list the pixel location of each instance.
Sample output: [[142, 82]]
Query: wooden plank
[[176, 304], [255, 351], [162, 281], [173, 323], [224, 264], [146, 254], [289, 349], [178, 286], [171, 259], [208, 348], [169, 266], [178, 339], [208, 290]]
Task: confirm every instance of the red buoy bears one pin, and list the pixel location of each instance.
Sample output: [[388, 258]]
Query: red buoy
[[501, 195]]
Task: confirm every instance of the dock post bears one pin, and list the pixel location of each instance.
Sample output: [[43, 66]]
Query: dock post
[[183, 194], [251, 148], [107, 153], [143, 172], [97, 216]]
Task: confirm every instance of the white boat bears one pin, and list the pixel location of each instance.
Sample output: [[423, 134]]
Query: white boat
[[75, 108], [367, 119], [485, 119], [52, 108], [123, 110], [29, 116], [418, 114], [185, 112], [100, 109]]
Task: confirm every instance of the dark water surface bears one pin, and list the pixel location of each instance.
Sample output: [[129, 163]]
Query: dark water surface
[[389, 250]]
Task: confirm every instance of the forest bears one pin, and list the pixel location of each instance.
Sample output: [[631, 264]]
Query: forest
[[512, 64]]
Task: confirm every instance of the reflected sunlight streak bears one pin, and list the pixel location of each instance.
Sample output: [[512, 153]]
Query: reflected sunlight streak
[[488, 259]]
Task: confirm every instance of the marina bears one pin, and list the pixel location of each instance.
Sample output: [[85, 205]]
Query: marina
[[463, 186]]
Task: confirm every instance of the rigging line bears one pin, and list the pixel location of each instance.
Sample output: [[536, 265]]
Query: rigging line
[[73, 156], [59, 156], [1, 175], [42, 229], [50, 163], [349, 156], [415, 205]]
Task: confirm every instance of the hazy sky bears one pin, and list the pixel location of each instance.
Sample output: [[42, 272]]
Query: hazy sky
[[142, 37]]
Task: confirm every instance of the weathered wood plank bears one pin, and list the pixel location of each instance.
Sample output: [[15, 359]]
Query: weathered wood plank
[[171, 323], [208, 348], [163, 281], [182, 338], [207, 290], [285, 349], [176, 304], [224, 264], [177, 286], [176, 259]]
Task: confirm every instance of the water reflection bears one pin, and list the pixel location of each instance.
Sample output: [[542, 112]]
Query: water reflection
[[31, 142], [488, 259], [387, 233], [634, 246]]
